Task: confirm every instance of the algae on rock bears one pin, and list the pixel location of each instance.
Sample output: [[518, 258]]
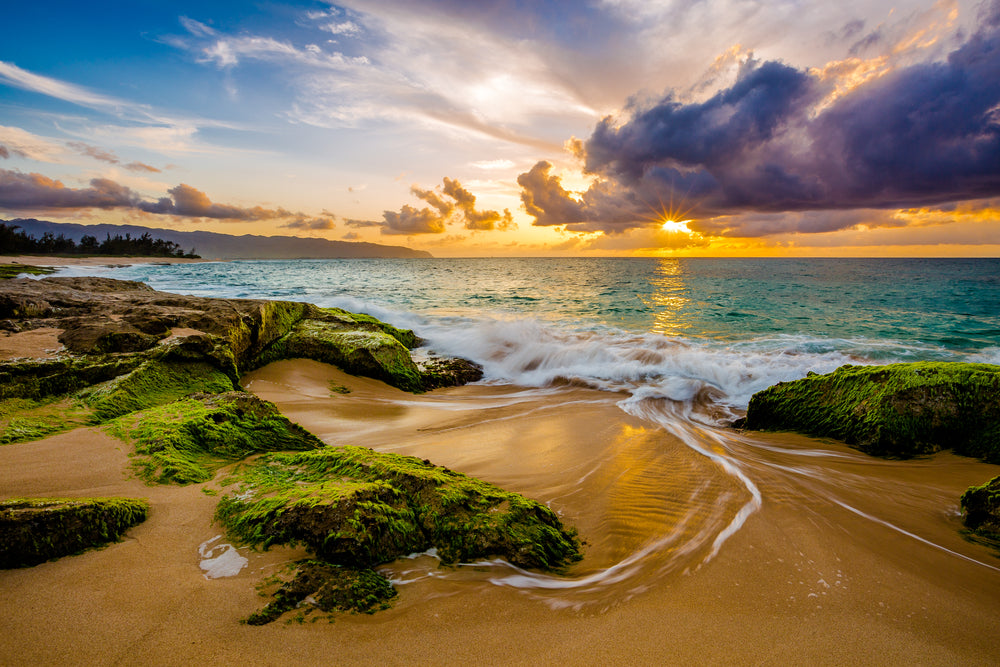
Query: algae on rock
[[186, 441], [981, 509], [354, 506], [311, 585], [896, 410], [372, 353], [35, 530]]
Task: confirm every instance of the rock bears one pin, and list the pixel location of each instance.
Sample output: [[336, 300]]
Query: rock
[[900, 410], [981, 508], [448, 372], [186, 441], [33, 531], [365, 352], [311, 585], [355, 507], [102, 315]]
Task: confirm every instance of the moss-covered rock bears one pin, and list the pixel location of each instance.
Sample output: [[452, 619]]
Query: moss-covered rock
[[38, 379], [155, 382], [24, 419], [353, 506], [367, 352], [8, 271], [898, 410], [310, 586], [439, 372], [981, 509], [187, 440], [35, 530]]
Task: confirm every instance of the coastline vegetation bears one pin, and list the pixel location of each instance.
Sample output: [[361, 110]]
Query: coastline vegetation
[[14, 242]]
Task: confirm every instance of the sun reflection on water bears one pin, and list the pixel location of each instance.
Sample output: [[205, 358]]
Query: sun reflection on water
[[670, 300]]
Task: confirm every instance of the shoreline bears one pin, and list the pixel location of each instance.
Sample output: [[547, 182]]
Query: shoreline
[[102, 260]]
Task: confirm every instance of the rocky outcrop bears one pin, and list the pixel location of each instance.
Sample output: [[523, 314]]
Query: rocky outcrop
[[355, 508], [900, 410], [161, 372], [187, 440], [981, 509], [129, 347], [35, 530]]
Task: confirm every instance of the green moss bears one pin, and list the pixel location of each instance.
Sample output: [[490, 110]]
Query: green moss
[[364, 322], [8, 271], [360, 352], [23, 419], [981, 510], [56, 377], [267, 322], [314, 586], [353, 506], [336, 388], [33, 531], [153, 383], [187, 440], [896, 410]]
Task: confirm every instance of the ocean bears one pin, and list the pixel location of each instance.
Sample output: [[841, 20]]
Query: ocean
[[719, 329]]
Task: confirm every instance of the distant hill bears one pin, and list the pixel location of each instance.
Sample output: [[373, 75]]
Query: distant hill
[[212, 245]]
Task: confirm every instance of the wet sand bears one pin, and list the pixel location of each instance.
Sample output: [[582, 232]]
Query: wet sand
[[848, 559]]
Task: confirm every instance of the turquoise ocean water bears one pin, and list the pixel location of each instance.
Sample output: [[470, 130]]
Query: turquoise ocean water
[[673, 328]]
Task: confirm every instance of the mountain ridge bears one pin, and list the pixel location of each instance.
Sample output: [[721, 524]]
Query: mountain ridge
[[216, 245]]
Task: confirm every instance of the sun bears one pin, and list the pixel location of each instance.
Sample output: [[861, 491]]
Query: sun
[[678, 226]]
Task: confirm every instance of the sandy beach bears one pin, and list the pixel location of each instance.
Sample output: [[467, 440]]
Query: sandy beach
[[854, 560], [42, 260]]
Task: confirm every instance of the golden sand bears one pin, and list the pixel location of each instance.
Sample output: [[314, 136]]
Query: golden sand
[[848, 560]]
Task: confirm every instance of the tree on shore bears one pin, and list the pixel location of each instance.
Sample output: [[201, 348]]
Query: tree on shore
[[14, 241]]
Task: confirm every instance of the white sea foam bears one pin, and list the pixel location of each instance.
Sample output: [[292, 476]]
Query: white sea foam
[[531, 353], [221, 560]]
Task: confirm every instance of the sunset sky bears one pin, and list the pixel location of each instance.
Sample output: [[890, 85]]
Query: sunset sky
[[600, 127]]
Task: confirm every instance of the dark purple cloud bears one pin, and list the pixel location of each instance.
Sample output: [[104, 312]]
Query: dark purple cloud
[[28, 192], [774, 142], [19, 191], [320, 223]]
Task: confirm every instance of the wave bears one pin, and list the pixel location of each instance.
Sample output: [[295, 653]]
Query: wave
[[531, 353]]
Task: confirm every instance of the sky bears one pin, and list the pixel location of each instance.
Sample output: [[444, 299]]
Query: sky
[[514, 128]]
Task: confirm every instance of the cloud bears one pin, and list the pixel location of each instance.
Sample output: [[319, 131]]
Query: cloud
[[778, 141], [94, 152], [20, 191], [196, 28], [193, 203], [31, 146], [346, 28], [140, 167], [351, 236], [450, 204], [409, 220], [314, 224], [4, 153]]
